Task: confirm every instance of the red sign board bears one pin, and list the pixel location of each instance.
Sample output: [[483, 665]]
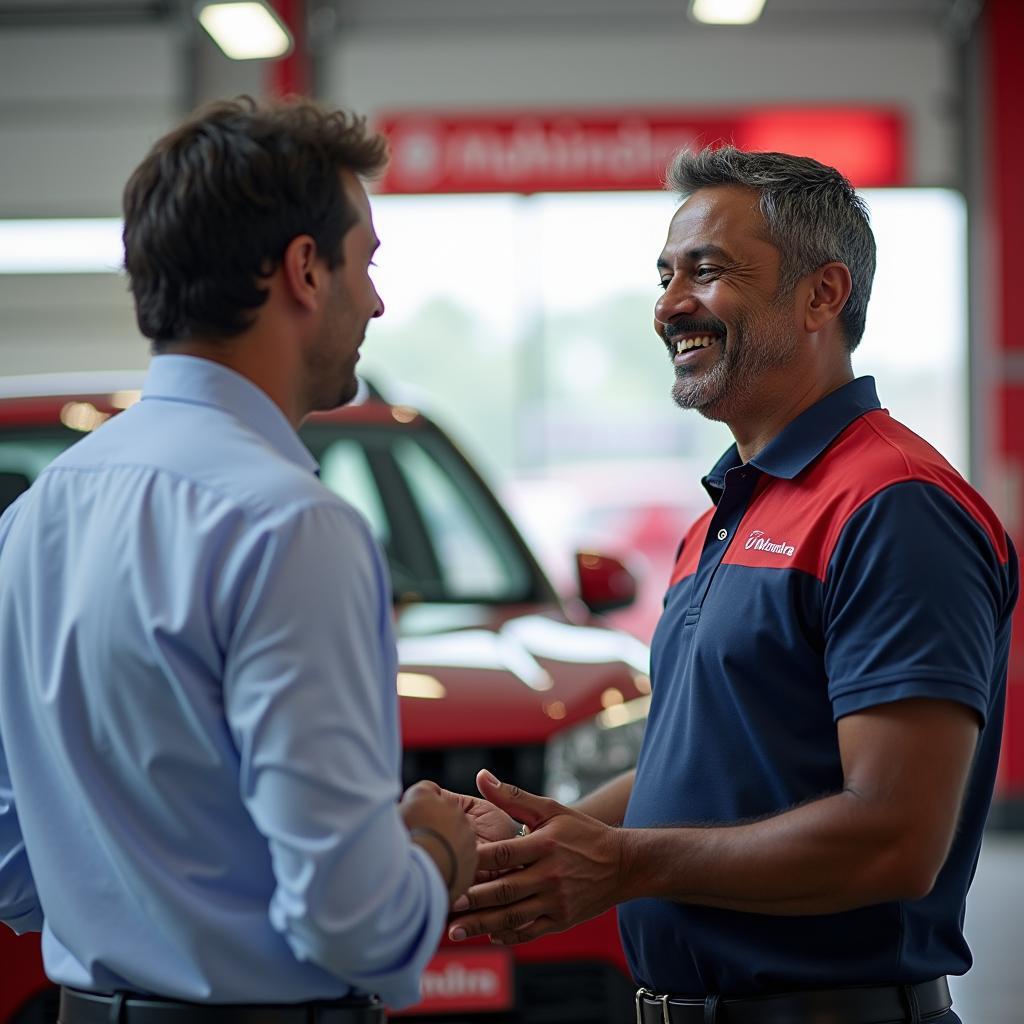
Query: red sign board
[[558, 151], [466, 981]]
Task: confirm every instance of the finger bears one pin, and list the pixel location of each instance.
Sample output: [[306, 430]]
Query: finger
[[521, 805], [500, 892], [506, 919], [486, 876], [511, 853], [534, 930]]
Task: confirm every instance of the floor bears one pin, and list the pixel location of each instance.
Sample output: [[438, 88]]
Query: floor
[[992, 992]]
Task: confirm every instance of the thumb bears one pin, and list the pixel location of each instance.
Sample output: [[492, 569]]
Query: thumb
[[521, 805], [425, 787]]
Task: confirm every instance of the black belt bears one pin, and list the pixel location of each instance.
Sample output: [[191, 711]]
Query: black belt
[[128, 1008], [879, 1004]]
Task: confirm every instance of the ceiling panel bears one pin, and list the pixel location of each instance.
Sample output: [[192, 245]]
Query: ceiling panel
[[66, 13], [443, 15]]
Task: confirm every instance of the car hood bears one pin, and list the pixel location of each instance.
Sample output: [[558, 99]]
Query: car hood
[[475, 675]]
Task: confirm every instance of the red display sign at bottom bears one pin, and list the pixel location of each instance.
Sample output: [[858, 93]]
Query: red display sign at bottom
[[460, 981]]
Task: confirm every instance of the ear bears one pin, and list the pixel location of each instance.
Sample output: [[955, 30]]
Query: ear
[[830, 288], [302, 273]]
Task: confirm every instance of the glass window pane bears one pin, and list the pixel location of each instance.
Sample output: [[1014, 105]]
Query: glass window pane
[[917, 350], [343, 468], [472, 560], [30, 454], [451, 273]]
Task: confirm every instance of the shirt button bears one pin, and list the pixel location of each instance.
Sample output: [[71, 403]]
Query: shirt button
[[722, 534]]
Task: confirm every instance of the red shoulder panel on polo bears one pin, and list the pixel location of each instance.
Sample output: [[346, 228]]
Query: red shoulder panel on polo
[[795, 524]]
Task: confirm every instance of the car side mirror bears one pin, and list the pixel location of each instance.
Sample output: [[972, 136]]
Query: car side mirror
[[605, 583]]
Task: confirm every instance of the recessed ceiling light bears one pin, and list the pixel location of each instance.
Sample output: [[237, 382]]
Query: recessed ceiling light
[[726, 12], [246, 31]]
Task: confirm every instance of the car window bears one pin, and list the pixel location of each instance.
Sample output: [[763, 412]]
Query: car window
[[345, 469], [443, 534], [23, 458], [30, 455], [472, 564]]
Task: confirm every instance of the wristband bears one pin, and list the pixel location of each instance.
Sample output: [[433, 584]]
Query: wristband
[[448, 848]]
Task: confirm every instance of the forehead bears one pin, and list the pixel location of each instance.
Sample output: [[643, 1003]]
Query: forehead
[[357, 196], [727, 216]]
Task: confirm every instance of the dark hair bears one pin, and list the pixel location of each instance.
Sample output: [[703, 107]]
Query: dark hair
[[812, 215], [213, 206]]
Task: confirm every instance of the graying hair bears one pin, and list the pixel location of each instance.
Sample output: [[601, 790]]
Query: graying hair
[[812, 215]]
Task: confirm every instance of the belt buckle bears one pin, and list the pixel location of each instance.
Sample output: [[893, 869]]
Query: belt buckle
[[664, 1010], [640, 993]]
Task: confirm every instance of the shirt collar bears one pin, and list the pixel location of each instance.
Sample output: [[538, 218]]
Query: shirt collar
[[177, 378], [803, 440]]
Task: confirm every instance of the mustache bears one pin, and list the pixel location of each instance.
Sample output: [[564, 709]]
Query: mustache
[[681, 325]]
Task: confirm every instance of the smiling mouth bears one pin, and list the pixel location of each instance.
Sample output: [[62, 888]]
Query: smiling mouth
[[686, 344], [681, 350]]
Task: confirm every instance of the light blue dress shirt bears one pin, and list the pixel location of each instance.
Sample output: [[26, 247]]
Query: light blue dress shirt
[[199, 747]]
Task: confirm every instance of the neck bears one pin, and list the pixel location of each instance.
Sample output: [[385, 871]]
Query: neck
[[755, 428]]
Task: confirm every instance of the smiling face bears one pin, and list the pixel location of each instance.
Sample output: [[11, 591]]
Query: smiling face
[[730, 336], [333, 353]]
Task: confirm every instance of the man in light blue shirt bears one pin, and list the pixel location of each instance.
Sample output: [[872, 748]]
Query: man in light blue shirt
[[199, 750]]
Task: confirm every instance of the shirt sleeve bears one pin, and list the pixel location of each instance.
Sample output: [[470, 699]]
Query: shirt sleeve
[[19, 902], [914, 599], [312, 705]]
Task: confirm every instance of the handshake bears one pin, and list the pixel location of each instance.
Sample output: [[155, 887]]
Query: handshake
[[512, 883]]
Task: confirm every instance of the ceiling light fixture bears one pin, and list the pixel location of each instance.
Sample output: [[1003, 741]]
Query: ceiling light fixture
[[246, 31], [726, 12]]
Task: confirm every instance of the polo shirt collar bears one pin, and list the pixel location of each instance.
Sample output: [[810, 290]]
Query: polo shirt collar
[[200, 381], [803, 440]]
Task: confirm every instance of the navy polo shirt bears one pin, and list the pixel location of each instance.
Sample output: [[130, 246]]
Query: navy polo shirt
[[847, 565]]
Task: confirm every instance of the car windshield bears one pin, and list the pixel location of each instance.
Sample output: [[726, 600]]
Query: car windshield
[[444, 534]]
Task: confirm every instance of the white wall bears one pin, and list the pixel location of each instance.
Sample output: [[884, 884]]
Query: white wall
[[906, 68], [79, 108]]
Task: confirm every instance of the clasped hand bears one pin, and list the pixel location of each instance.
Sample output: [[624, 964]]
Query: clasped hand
[[567, 869]]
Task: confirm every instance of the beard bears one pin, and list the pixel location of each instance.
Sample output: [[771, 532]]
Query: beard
[[330, 359], [334, 385], [732, 381]]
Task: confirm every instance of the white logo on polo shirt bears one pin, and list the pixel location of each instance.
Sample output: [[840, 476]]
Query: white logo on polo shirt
[[760, 541]]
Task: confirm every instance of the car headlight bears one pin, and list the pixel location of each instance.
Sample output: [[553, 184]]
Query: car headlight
[[586, 756]]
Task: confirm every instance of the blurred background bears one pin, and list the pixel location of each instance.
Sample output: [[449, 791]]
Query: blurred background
[[521, 219]]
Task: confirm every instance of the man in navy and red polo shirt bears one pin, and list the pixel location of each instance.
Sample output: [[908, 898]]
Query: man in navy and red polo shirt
[[799, 835]]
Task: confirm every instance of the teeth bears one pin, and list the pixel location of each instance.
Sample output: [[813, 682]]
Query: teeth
[[685, 344]]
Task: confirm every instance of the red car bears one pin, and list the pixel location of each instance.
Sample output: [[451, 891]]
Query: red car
[[496, 671]]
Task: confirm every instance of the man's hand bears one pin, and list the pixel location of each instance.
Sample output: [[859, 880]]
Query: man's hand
[[570, 869], [490, 823], [446, 834]]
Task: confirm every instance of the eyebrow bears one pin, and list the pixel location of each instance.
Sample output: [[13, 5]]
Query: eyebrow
[[697, 254]]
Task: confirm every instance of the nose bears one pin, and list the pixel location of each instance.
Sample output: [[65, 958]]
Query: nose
[[378, 309], [676, 300]]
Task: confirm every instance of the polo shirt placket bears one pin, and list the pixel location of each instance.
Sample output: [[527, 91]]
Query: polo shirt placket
[[731, 500]]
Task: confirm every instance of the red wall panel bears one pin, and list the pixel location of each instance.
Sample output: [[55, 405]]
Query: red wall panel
[[1004, 32]]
